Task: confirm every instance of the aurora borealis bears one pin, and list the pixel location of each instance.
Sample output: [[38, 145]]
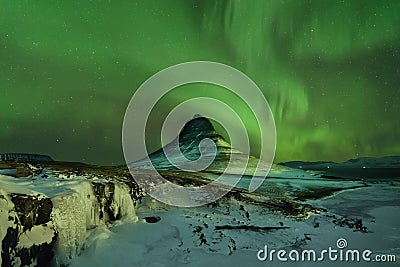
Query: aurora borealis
[[329, 69]]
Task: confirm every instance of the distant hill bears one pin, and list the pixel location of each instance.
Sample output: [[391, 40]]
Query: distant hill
[[26, 157], [363, 162], [364, 168]]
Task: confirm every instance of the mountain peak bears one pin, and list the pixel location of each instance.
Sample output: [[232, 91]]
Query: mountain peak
[[198, 126], [194, 142]]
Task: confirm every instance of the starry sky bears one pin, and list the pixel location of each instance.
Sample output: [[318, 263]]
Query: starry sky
[[329, 69]]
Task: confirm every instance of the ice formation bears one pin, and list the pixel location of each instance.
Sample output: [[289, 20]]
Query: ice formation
[[44, 219]]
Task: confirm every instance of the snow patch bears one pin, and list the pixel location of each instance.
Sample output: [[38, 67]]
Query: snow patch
[[35, 236]]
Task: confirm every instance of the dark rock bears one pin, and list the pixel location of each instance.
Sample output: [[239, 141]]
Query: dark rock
[[231, 246], [351, 223], [8, 245], [197, 229], [152, 219], [39, 253], [203, 241], [307, 236], [104, 193], [32, 210], [250, 227]]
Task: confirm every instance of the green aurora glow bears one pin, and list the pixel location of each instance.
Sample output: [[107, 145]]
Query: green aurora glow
[[329, 69]]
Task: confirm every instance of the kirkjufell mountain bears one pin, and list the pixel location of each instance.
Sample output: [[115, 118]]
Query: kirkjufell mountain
[[189, 145], [200, 128]]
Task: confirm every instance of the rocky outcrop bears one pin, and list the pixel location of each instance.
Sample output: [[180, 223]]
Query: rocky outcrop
[[44, 217], [30, 236]]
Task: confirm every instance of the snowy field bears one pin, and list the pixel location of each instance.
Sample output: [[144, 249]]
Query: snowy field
[[294, 210], [188, 236]]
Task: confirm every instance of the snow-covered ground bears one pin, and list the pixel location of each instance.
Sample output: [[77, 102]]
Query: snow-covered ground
[[200, 236], [95, 222]]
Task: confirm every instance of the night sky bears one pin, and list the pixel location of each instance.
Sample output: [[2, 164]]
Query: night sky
[[329, 69]]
